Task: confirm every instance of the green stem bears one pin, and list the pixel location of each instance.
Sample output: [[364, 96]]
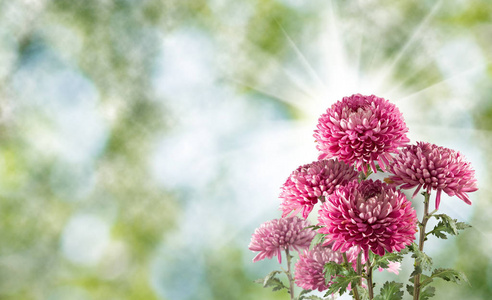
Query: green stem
[[425, 218], [359, 264], [354, 288], [369, 280], [359, 272], [289, 275]]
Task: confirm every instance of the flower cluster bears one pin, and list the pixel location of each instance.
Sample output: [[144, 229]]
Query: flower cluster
[[360, 219]]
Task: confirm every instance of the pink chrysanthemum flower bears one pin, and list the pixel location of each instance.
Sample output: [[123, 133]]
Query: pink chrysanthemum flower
[[361, 130], [309, 182], [280, 234], [370, 215], [433, 168], [310, 266]]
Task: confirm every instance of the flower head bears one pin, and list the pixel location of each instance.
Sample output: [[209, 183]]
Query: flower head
[[280, 234], [433, 168], [361, 130], [371, 215], [309, 273], [309, 182]]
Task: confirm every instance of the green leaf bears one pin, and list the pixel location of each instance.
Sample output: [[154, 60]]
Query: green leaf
[[303, 293], [439, 231], [276, 284], [424, 280], [340, 284], [425, 293], [318, 239], [449, 275], [390, 291], [417, 270], [312, 297], [448, 222], [410, 289], [363, 293], [383, 261], [404, 251], [447, 225], [412, 247], [270, 276], [462, 225], [420, 257], [428, 292], [313, 227], [302, 296], [339, 276], [332, 269], [271, 281]]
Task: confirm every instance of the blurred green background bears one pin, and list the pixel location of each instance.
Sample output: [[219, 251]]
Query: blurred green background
[[142, 142]]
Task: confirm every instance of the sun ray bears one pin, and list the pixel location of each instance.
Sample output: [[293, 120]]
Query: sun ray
[[264, 91], [296, 81], [301, 57], [300, 84], [416, 35], [403, 83], [445, 80]]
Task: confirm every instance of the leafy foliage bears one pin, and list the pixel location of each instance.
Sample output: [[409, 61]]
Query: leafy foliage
[[303, 296], [390, 291], [410, 288], [383, 261], [332, 269], [363, 293], [311, 297], [449, 275], [447, 225], [340, 276], [340, 284], [271, 281], [417, 270], [318, 239], [427, 293], [313, 227], [424, 280], [421, 258]]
